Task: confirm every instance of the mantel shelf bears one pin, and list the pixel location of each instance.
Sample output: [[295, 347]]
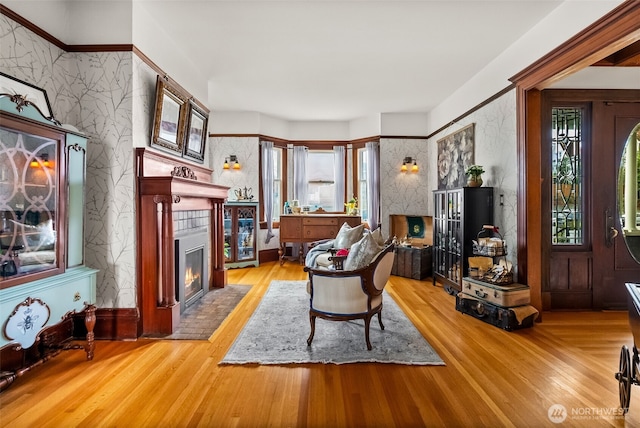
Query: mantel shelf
[[178, 186]]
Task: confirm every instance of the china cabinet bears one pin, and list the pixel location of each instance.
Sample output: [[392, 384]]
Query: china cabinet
[[458, 216], [45, 287], [240, 221]]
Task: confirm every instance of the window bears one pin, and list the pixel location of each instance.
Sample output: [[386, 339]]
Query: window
[[320, 175], [363, 192], [567, 209], [322, 189], [278, 201]]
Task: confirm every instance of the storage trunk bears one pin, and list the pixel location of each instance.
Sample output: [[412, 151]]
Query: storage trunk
[[504, 318], [412, 262], [501, 295]]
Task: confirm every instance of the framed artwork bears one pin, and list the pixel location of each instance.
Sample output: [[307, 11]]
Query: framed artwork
[[455, 155], [196, 135], [30, 94], [170, 115]]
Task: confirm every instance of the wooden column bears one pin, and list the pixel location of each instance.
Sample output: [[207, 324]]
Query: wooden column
[[167, 258], [219, 275]]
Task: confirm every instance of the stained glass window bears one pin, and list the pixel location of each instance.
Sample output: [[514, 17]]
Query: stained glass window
[[567, 207]]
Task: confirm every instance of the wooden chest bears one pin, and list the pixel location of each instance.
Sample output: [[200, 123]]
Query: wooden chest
[[412, 262]]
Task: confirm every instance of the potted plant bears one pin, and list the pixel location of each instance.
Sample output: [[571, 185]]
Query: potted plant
[[474, 174], [352, 206]]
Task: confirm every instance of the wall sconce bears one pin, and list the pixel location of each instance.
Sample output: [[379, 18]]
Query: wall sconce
[[409, 161], [43, 159], [234, 160]]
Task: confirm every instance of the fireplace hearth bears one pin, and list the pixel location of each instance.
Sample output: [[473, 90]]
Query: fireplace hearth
[[192, 267]]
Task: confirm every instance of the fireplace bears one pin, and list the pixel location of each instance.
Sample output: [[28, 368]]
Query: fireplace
[[166, 188], [192, 268]]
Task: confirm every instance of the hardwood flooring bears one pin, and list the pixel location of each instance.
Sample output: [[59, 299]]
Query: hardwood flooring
[[492, 378]]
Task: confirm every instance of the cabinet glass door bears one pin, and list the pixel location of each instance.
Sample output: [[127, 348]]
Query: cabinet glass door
[[439, 239], [30, 227], [228, 228], [246, 226], [454, 235]]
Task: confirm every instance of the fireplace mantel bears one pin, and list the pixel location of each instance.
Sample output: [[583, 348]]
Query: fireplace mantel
[[166, 185]]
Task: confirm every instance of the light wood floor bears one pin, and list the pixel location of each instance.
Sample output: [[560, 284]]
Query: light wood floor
[[492, 378]]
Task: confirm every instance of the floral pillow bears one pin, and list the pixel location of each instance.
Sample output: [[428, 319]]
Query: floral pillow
[[362, 253], [347, 236]]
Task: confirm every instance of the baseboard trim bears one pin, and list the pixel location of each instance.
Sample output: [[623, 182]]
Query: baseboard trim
[[117, 323], [270, 255]]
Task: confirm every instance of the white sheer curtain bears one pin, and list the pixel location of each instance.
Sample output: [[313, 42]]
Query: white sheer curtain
[[338, 177], [372, 152], [267, 186], [300, 183]]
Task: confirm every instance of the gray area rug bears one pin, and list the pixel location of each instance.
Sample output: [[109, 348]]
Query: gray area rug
[[199, 321], [277, 333]]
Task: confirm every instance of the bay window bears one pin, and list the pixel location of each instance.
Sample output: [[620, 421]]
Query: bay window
[[323, 176]]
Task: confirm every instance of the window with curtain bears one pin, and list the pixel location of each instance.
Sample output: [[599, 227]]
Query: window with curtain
[[323, 173]]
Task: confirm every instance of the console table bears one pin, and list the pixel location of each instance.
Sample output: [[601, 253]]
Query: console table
[[301, 228]]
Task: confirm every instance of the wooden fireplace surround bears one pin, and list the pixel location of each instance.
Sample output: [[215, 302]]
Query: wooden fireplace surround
[[165, 185]]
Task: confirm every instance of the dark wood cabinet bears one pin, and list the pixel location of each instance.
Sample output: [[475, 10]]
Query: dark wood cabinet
[[459, 214]]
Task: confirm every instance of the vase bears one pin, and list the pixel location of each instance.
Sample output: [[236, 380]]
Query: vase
[[474, 181]]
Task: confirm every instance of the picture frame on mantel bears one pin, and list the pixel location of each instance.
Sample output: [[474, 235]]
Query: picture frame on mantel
[[196, 133], [31, 94], [169, 119]]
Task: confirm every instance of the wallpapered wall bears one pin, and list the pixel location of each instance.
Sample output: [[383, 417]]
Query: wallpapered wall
[[94, 93], [496, 151], [403, 192]]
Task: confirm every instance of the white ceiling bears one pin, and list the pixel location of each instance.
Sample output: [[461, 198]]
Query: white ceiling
[[303, 60], [340, 60]]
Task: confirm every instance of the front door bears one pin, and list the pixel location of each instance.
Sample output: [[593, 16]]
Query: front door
[[613, 264], [588, 261]]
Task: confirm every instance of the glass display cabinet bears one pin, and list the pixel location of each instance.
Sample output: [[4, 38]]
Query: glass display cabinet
[[240, 234], [458, 216], [44, 284]]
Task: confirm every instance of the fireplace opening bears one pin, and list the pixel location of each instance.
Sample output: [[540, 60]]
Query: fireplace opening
[[192, 267]]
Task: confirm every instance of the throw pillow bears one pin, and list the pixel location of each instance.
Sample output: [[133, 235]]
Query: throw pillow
[[377, 235], [347, 236], [362, 253]]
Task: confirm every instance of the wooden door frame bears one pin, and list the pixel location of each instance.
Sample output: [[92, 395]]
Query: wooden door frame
[[614, 31]]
